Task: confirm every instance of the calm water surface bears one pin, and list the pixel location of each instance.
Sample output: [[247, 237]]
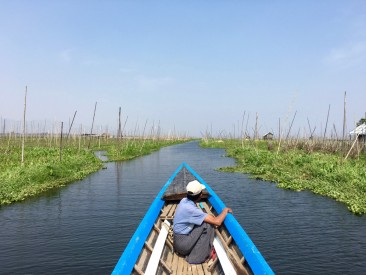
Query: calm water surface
[[84, 227]]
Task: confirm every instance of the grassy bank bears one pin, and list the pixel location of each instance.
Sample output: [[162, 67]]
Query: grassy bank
[[44, 168], [41, 171], [296, 168]]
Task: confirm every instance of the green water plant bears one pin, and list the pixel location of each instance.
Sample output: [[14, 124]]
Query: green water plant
[[296, 169], [41, 171], [48, 165]]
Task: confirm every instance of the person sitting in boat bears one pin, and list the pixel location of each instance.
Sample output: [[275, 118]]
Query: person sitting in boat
[[193, 229]]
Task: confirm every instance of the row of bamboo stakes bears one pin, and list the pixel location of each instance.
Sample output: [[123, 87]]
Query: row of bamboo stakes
[[156, 131]]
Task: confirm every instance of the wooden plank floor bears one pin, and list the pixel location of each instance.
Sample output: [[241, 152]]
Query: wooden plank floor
[[175, 262], [179, 265], [171, 263]]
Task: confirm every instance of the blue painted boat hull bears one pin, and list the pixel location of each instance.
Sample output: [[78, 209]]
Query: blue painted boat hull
[[132, 251]]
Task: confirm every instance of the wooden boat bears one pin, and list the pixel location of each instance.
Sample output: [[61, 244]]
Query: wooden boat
[[150, 250]]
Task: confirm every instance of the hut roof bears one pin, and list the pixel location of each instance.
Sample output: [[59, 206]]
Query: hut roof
[[360, 130]]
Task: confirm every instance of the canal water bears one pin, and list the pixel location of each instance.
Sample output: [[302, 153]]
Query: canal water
[[84, 227]]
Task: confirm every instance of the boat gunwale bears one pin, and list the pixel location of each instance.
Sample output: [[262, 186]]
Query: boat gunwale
[[251, 254], [127, 261]]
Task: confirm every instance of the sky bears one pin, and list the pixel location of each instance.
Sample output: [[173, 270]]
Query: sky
[[192, 68]]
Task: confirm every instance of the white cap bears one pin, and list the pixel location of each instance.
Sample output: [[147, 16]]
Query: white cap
[[195, 187]]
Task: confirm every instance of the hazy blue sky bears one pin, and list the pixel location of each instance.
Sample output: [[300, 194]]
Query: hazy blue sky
[[193, 66]]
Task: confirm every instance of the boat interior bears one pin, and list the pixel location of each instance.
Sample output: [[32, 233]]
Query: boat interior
[[229, 261]]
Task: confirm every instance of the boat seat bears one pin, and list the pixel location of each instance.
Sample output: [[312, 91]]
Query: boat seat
[[158, 249], [226, 264]]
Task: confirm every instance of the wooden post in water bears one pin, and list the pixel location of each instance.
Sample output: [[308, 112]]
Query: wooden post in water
[[25, 108]]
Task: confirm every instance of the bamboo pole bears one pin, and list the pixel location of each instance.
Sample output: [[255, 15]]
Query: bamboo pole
[[72, 122], [25, 108], [289, 130], [344, 116], [256, 127], [335, 131], [91, 130], [297, 137], [344, 128], [80, 134], [143, 136], [119, 135], [246, 126], [280, 136], [242, 131], [99, 136], [309, 129], [326, 124], [353, 144], [124, 125], [9, 139], [62, 126]]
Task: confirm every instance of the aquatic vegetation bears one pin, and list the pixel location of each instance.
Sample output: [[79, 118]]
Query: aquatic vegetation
[[48, 165], [321, 172], [42, 171]]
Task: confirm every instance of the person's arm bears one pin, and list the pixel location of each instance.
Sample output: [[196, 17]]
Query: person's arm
[[217, 221]]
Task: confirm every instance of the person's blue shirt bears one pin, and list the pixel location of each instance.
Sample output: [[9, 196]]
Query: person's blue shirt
[[187, 216]]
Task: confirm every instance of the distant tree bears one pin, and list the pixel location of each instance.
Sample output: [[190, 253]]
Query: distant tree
[[361, 121]]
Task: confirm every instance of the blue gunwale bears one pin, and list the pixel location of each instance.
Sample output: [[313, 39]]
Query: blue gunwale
[[130, 255], [251, 254]]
